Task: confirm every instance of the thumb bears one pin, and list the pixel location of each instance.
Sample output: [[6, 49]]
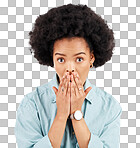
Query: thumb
[[87, 90], [55, 89]]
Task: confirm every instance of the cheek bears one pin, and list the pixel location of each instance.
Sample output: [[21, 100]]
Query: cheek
[[57, 67], [83, 73], [84, 69]]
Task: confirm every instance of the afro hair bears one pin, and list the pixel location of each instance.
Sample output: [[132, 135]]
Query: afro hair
[[71, 21]]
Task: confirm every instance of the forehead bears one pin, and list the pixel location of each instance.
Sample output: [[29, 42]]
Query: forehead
[[74, 43]]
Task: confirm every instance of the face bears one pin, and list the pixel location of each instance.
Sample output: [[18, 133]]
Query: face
[[66, 57]]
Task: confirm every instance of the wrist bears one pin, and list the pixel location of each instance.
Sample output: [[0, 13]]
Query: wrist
[[77, 115], [61, 117]]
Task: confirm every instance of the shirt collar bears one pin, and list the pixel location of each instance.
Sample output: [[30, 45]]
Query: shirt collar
[[90, 96]]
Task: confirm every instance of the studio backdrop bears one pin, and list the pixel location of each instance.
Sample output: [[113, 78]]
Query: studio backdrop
[[20, 72]]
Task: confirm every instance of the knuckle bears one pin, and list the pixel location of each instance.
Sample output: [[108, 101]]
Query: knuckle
[[72, 90], [73, 86], [64, 81], [80, 83], [81, 86], [61, 85], [65, 84]]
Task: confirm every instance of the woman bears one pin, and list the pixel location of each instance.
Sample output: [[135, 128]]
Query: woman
[[69, 111]]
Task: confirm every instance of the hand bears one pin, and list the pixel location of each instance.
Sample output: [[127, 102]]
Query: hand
[[77, 97], [63, 97]]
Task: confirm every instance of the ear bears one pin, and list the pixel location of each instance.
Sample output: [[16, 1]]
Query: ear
[[92, 57]]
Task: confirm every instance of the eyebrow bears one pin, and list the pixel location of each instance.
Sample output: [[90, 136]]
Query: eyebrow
[[73, 55]]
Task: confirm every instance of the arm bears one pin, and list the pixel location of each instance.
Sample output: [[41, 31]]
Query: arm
[[56, 131], [82, 132], [109, 137], [28, 129]]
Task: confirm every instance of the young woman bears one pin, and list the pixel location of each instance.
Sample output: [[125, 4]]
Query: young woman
[[69, 111]]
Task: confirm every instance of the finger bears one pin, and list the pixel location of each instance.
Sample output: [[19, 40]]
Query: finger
[[66, 82], [61, 84], [78, 83], [68, 87], [72, 86], [54, 89], [64, 86]]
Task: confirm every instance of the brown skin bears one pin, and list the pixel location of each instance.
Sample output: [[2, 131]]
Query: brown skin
[[67, 102], [70, 47]]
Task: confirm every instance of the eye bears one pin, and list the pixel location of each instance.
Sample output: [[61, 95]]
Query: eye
[[59, 58], [80, 58], [63, 59]]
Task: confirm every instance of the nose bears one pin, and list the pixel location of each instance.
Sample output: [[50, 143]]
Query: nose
[[70, 68], [70, 71]]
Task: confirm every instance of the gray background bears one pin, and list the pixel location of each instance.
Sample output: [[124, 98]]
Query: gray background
[[20, 73]]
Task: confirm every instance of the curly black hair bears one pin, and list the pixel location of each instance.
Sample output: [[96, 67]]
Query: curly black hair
[[71, 21]]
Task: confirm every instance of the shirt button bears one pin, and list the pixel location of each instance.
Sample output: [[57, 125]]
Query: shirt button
[[73, 133]]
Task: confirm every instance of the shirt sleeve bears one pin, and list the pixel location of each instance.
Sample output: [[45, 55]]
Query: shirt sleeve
[[110, 135], [27, 128]]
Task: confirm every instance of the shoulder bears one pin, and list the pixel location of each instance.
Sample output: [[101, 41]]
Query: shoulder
[[29, 101], [109, 107], [109, 102]]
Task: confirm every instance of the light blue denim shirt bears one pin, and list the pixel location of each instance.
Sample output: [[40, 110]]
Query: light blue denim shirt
[[37, 111]]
